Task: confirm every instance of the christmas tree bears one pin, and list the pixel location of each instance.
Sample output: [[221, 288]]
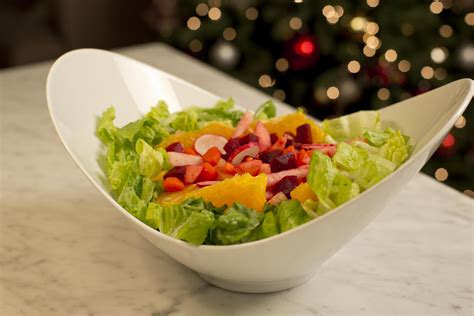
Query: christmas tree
[[337, 57]]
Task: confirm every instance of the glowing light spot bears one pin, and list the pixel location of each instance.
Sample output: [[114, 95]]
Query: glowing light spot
[[372, 3], [229, 34], [202, 9], [439, 55], [328, 10], [353, 66], [440, 73], [383, 94], [195, 45], [265, 81], [436, 7], [279, 94], [369, 52], [194, 23], [214, 13], [404, 65], [372, 42], [358, 23], [445, 31], [305, 47], [460, 122], [427, 72], [332, 93], [449, 141], [469, 18], [282, 64], [251, 14], [441, 174], [295, 23], [391, 55], [372, 28]]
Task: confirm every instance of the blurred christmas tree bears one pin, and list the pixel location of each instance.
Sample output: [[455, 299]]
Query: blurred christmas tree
[[337, 57]]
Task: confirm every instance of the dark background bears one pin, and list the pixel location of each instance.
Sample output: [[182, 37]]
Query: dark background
[[331, 58]]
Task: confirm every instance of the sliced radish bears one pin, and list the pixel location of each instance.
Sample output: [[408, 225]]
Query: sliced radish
[[179, 159], [268, 195], [278, 198], [192, 173], [276, 177], [247, 150], [243, 124], [206, 183], [264, 140], [328, 149], [206, 141]]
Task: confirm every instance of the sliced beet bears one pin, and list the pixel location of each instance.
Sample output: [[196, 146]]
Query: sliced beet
[[175, 147], [283, 162], [303, 134], [285, 185], [273, 138], [249, 138], [230, 146], [289, 142], [177, 172], [266, 157]]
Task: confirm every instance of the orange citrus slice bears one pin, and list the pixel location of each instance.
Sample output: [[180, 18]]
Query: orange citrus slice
[[244, 189], [302, 193]]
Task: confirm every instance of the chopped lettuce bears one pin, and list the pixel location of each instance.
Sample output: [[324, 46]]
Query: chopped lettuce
[[106, 130], [397, 147], [235, 225], [321, 178], [291, 214], [349, 157], [269, 226], [150, 161], [353, 125], [265, 111]]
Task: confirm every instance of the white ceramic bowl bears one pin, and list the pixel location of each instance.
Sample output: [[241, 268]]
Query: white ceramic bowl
[[83, 83]]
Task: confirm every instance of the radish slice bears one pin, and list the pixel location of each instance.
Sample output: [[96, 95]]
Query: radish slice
[[247, 150], [264, 140], [276, 177], [328, 149], [206, 183], [268, 195], [179, 159], [206, 141], [243, 124], [278, 198]]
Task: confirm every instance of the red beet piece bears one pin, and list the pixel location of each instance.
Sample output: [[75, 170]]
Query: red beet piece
[[249, 138], [303, 134], [283, 162], [176, 147], [285, 185], [273, 138], [177, 172], [266, 157], [230, 146]]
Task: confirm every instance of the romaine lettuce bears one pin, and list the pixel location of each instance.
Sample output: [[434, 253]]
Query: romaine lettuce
[[353, 125]]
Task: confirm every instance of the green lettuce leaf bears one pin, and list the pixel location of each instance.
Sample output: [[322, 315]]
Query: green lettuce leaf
[[106, 130], [150, 161], [265, 111], [321, 178], [374, 169], [349, 157], [129, 200], [353, 125], [343, 189], [185, 121], [269, 226], [159, 112], [376, 138], [397, 147], [290, 214], [235, 225]]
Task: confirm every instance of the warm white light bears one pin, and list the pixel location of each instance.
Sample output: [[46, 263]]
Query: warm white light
[[438, 55], [383, 94], [214, 13], [295, 23], [332, 93], [353, 66], [391, 55]]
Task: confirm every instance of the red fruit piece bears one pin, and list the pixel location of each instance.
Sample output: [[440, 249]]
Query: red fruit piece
[[212, 156], [286, 185], [269, 155], [250, 149], [252, 167], [230, 146], [303, 134], [176, 147], [249, 138], [243, 124], [264, 140], [208, 173], [177, 172], [173, 184], [192, 173], [204, 142]]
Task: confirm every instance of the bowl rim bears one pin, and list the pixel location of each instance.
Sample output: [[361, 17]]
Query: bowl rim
[[445, 128]]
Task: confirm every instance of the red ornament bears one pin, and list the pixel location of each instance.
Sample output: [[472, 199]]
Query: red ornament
[[301, 52], [304, 47], [449, 141]]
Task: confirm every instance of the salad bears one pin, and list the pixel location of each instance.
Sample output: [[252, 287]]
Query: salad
[[221, 176]]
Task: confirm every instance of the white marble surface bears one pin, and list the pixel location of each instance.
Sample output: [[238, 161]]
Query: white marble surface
[[65, 251]]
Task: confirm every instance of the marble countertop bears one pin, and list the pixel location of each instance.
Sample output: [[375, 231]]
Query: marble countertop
[[65, 251]]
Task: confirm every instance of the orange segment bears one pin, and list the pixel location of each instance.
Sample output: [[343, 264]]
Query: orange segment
[[289, 123], [244, 189], [188, 138], [302, 193]]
